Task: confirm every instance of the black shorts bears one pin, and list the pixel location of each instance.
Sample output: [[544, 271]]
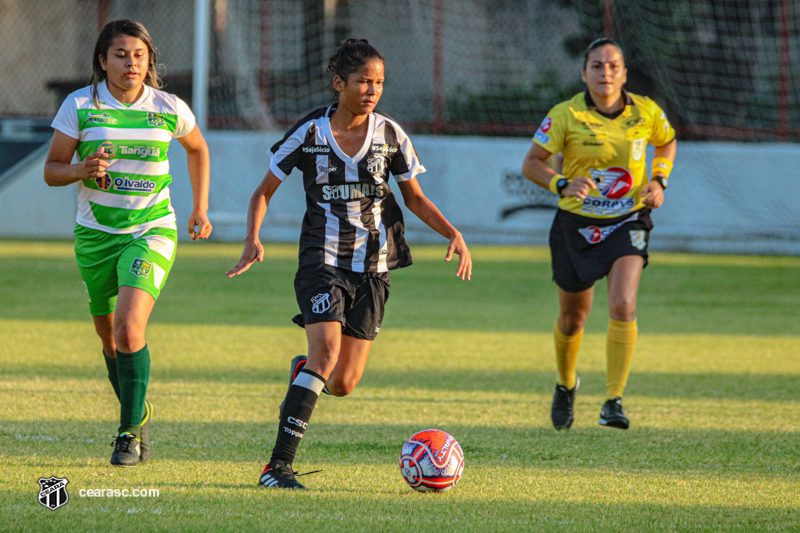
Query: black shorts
[[330, 294], [584, 249]]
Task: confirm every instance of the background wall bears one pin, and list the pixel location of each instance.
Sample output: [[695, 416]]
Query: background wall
[[722, 198]]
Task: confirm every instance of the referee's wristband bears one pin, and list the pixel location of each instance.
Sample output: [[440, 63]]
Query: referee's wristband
[[662, 165], [553, 185]]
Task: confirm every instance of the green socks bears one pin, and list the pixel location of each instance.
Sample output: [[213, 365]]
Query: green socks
[[133, 373], [111, 365]]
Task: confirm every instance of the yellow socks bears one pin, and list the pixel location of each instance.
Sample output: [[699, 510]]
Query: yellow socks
[[619, 352], [566, 355]]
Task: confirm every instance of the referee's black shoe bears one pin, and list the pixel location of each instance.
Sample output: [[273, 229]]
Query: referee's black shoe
[[612, 416], [562, 413], [279, 475]]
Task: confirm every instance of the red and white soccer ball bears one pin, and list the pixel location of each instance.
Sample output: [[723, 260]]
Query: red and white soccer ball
[[431, 461]]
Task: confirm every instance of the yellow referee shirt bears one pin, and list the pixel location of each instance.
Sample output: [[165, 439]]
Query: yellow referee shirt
[[612, 151]]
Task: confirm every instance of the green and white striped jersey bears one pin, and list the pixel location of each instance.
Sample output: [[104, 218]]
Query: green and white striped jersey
[[134, 195]]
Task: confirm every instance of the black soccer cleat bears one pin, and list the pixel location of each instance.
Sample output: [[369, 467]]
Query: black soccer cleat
[[144, 435], [279, 475], [126, 451], [612, 416], [562, 413], [296, 366]]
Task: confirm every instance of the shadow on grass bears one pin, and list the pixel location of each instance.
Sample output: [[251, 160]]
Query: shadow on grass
[[50, 443], [763, 387], [503, 296]]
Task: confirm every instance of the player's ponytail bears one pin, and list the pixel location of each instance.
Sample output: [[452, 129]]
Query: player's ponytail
[[104, 41], [351, 56]]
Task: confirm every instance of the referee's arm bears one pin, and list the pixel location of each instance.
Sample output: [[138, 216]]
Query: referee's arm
[[534, 167], [536, 170]]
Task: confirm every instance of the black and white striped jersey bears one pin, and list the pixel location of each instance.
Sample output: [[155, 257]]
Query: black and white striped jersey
[[352, 218]]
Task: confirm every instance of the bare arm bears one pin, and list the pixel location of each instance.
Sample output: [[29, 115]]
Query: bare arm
[[58, 168], [420, 205], [536, 170], [259, 202], [653, 193], [199, 174]]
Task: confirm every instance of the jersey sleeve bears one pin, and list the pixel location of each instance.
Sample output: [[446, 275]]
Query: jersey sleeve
[[186, 119], [662, 132], [552, 132], [66, 120], [405, 164], [285, 154]]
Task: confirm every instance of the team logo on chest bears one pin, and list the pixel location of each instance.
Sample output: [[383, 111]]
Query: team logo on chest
[[53, 492], [637, 149], [156, 120], [321, 303], [375, 166]]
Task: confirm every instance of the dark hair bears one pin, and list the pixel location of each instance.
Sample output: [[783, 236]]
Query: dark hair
[[104, 40], [597, 43], [351, 56]]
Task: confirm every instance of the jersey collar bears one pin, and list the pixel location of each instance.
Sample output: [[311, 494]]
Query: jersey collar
[[105, 94], [587, 98]]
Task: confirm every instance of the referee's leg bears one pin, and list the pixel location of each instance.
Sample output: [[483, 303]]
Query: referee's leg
[[623, 284]]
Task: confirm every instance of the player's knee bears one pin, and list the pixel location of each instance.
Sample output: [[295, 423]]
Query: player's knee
[[342, 386], [623, 309], [127, 336], [572, 322]]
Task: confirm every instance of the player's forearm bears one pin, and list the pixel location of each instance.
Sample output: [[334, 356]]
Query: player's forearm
[[537, 171], [199, 176], [255, 214], [427, 212], [57, 174], [668, 150]]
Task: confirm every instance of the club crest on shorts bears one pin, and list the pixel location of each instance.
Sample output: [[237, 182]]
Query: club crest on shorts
[[141, 267], [375, 166], [637, 239], [321, 303], [53, 492]]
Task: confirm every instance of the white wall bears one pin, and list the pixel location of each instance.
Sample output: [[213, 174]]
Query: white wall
[[723, 198]]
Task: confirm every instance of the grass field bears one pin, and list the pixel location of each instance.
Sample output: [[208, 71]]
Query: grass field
[[714, 401]]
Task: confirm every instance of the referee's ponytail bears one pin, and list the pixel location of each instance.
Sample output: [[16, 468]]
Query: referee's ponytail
[[351, 56]]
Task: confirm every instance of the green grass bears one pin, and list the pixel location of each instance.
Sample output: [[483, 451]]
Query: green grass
[[714, 400]]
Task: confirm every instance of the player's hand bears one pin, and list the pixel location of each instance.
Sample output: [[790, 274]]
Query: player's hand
[[459, 247], [579, 187], [253, 251], [199, 225], [653, 195], [93, 166]]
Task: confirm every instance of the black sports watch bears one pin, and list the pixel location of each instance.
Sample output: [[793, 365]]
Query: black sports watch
[[561, 184], [661, 181]]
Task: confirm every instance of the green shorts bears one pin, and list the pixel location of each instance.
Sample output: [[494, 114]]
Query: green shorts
[[109, 261]]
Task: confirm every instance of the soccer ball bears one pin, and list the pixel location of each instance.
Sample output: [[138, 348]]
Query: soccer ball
[[431, 461]]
